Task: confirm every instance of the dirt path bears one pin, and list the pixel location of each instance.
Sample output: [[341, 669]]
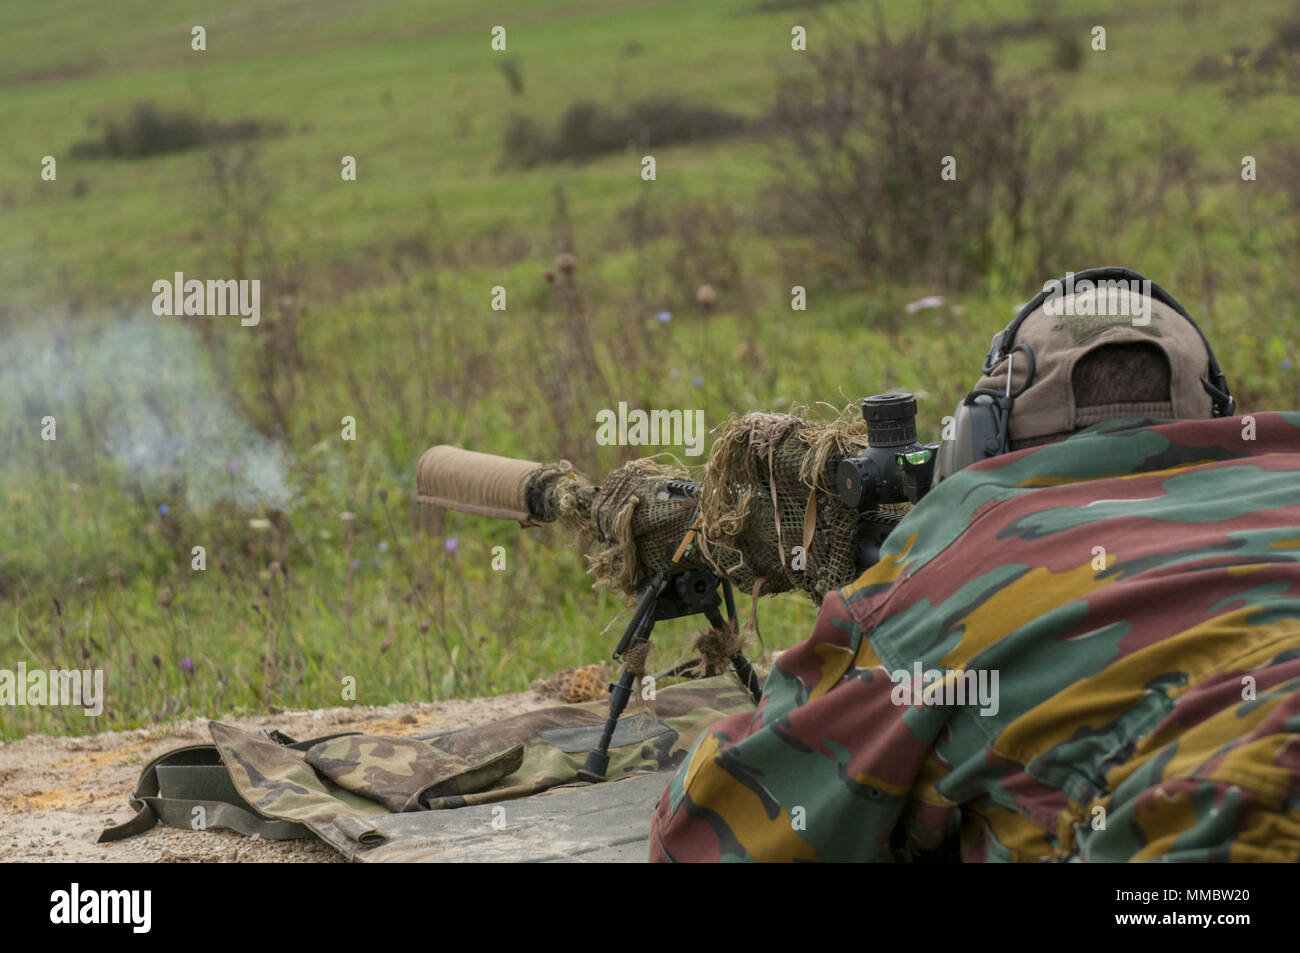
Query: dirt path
[[57, 794]]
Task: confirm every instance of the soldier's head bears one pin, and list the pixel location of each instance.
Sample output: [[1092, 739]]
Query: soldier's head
[[1092, 346]]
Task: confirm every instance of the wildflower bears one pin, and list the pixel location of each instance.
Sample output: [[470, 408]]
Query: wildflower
[[451, 544], [663, 317], [235, 465], [163, 509]]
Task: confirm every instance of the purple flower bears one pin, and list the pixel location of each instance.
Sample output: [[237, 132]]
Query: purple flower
[[163, 509], [236, 465], [451, 544], [187, 665], [663, 317]]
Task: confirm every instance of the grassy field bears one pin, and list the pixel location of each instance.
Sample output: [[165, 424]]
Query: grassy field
[[319, 565]]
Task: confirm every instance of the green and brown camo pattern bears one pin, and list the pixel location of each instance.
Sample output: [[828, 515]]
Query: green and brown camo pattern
[[277, 781], [1136, 589], [404, 774], [344, 780], [685, 708]]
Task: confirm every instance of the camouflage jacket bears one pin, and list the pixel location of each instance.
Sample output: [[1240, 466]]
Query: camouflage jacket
[[1083, 651]]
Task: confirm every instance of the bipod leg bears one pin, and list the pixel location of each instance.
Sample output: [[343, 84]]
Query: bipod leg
[[598, 758], [748, 677], [636, 634]]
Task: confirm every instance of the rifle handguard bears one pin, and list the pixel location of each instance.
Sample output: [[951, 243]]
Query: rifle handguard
[[478, 483]]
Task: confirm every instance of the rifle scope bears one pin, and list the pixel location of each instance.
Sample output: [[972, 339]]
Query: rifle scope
[[894, 468]]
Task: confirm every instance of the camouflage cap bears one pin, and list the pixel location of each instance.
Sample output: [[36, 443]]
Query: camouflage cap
[[1077, 317]]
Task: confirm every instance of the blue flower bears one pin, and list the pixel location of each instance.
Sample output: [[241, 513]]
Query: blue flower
[[697, 381], [163, 509], [663, 317]]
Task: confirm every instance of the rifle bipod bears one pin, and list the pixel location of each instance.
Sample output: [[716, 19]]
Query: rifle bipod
[[665, 596]]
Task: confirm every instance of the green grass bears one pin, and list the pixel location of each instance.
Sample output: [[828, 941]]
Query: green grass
[[92, 574]]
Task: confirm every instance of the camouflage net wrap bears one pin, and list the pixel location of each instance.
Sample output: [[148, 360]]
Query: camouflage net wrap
[[558, 492], [773, 520], [768, 488]]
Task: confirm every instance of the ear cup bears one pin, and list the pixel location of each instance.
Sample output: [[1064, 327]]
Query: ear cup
[[977, 434], [988, 428]]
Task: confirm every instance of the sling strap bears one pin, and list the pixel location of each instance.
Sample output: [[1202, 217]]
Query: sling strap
[[191, 788]]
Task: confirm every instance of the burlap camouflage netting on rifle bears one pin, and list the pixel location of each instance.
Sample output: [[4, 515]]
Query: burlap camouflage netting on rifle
[[754, 499]]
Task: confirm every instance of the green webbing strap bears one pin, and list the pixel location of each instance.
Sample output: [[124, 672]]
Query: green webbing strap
[[172, 785]]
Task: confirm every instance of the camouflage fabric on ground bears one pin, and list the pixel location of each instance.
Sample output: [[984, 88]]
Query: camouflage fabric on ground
[[404, 774], [556, 740], [1086, 651], [346, 789], [276, 781]]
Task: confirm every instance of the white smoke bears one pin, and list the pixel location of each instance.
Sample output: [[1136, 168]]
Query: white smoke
[[144, 395]]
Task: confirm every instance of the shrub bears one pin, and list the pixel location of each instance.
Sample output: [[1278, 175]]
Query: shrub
[[863, 141], [149, 131], [1068, 52], [588, 129]]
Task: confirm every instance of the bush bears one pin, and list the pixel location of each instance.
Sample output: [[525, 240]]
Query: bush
[[1068, 52], [526, 142], [1287, 29], [149, 131], [588, 129], [863, 142]]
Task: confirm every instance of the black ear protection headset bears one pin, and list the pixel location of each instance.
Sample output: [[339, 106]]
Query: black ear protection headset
[[982, 420]]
